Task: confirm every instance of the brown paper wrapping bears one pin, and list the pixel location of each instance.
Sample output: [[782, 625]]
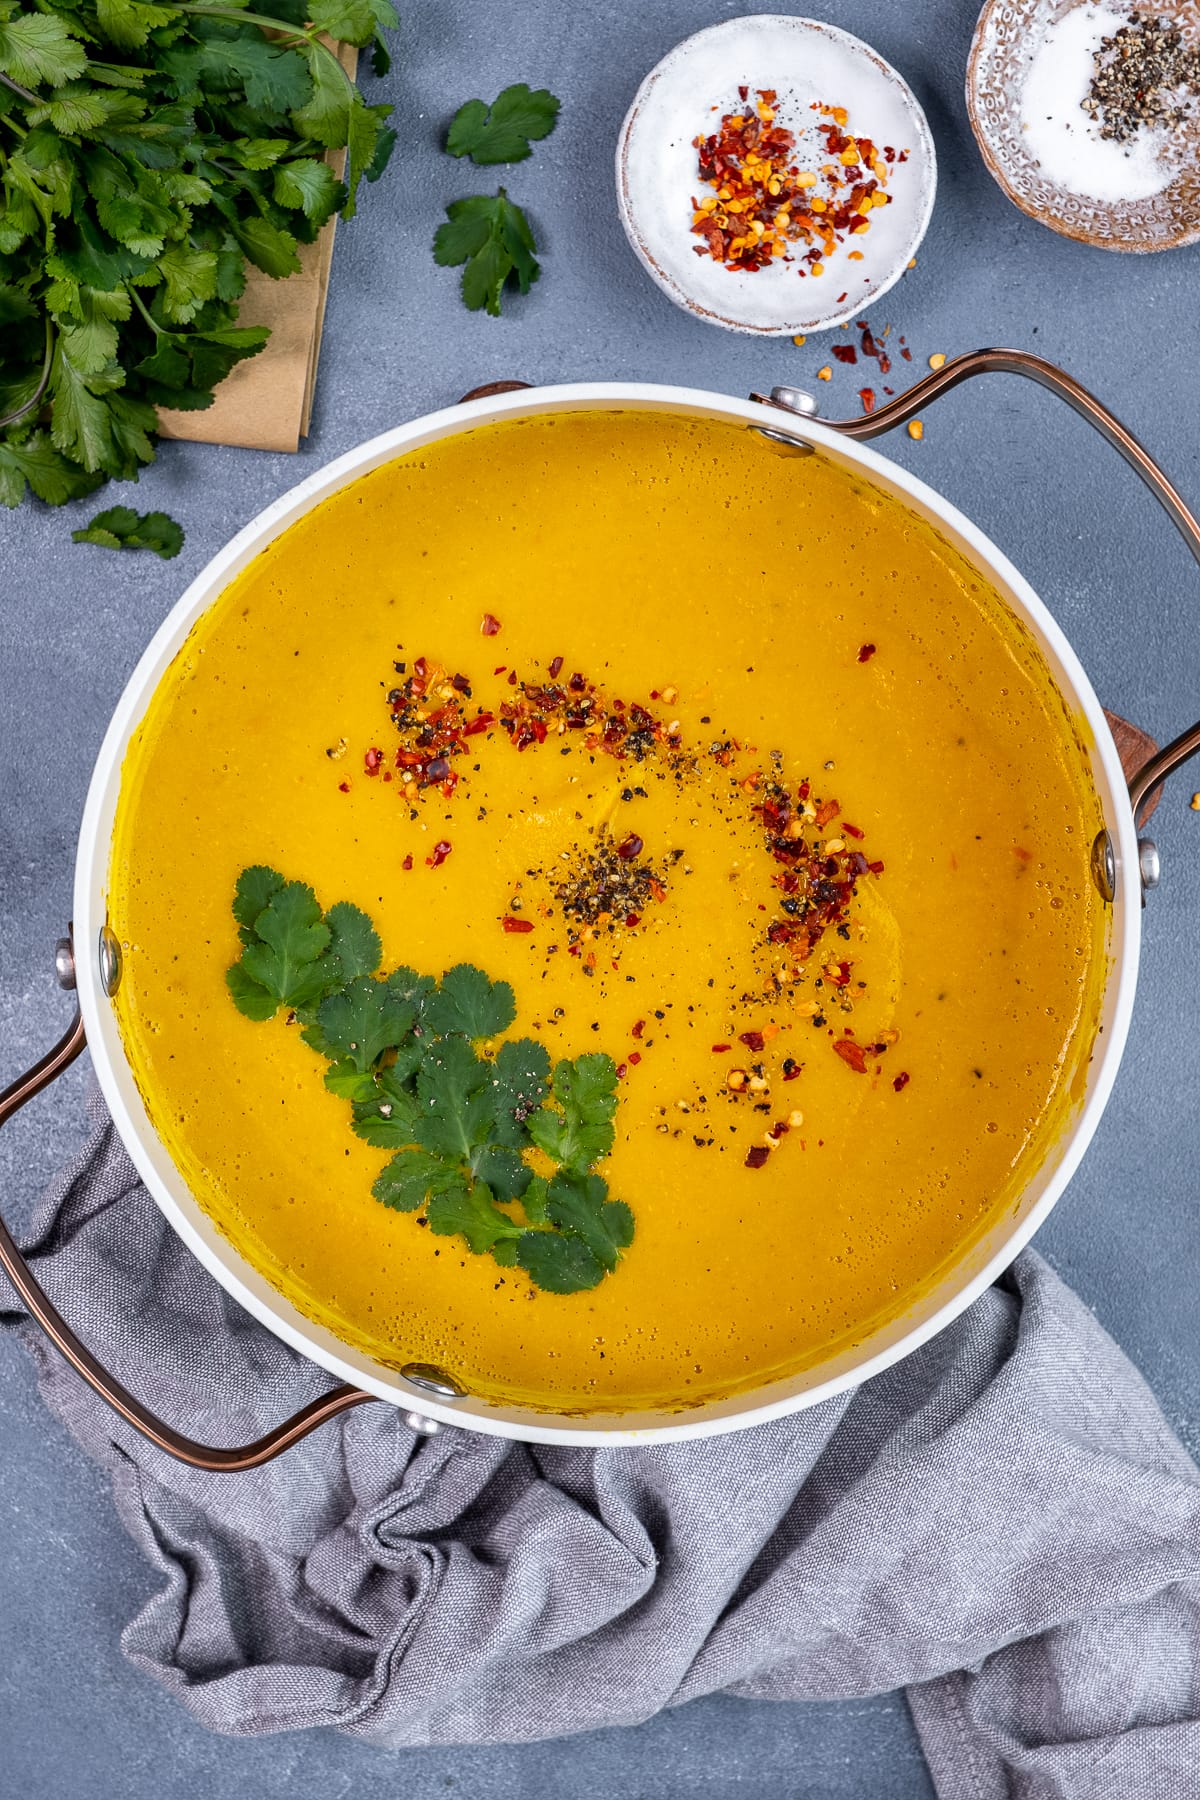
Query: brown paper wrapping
[[265, 403]]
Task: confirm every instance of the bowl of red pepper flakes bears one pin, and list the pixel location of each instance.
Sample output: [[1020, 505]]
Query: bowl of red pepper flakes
[[775, 175]]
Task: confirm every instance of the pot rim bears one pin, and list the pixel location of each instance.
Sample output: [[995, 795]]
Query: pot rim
[[954, 1290]]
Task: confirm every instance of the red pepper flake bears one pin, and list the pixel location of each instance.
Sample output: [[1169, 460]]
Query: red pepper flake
[[756, 1156], [441, 851], [489, 625], [632, 919], [845, 353], [372, 761], [631, 847], [902, 1080], [828, 809], [516, 925], [406, 865], [791, 1068], [753, 1040], [763, 208], [852, 1054], [343, 787], [866, 652], [876, 868], [620, 1071], [556, 668], [639, 1025], [867, 396], [720, 1049], [1022, 854], [906, 354], [852, 830], [635, 1056]]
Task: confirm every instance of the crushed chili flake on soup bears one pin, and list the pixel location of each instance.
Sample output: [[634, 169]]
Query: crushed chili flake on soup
[[765, 796]]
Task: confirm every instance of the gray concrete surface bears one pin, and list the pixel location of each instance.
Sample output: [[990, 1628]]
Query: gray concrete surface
[[74, 1719]]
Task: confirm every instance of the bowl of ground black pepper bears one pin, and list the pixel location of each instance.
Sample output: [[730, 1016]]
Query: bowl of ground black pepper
[[1088, 116]]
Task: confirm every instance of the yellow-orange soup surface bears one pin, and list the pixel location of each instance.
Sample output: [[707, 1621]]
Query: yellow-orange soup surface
[[656, 555]]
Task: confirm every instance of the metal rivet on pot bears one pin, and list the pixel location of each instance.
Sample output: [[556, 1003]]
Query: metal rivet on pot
[[1104, 865], [64, 963], [793, 400], [108, 950], [421, 1424], [433, 1381], [1148, 862]]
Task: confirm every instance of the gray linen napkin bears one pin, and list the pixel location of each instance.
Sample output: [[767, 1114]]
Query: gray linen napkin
[[1003, 1524]]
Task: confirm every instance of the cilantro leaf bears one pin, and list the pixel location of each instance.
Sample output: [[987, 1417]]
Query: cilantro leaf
[[582, 1132], [558, 1264], [363, 1019], [410, 1178], [249, 996], [580, 1204], [353, 21], [520, 1079], [536, 1200], [492, 236], [470, 1212], [37, 48], [291, 939], [50, 475], [502, 132], [309, 185], [456, 1107], [468, 1002], [256, 888], [503, 1169], [348, 1082], [120, 528], [355, 943]]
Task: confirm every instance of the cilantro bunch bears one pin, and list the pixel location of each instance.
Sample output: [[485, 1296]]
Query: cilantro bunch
[[466, 1128], [148, 152]]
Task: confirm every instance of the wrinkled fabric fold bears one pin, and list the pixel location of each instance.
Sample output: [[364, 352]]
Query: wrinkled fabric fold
[[1003, 1524]]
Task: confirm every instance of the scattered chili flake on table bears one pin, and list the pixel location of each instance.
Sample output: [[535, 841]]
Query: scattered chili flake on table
[[916, 430], [766, 208]]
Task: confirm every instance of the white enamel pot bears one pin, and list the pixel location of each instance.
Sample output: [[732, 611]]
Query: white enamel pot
[[432, 1397]]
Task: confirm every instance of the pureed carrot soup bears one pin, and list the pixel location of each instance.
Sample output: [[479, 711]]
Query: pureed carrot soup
[[653, 876]]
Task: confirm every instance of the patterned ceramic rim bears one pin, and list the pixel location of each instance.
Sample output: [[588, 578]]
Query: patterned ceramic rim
[[993, 106]]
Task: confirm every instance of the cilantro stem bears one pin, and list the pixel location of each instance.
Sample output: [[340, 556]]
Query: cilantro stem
[[18, 89], [143, 309], [36, 397]]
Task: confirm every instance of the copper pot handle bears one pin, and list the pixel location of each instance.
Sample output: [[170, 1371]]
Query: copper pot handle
[[98, 1378], [1152, 773]]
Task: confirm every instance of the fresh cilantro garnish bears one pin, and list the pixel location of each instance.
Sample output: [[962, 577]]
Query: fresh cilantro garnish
[[505, 131], [411, 1056], [581, 1132], [120, 528], [467, 1002], [149, 152], [492, 236]]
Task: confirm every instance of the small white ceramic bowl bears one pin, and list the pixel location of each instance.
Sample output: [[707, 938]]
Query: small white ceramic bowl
[[805, 61]]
